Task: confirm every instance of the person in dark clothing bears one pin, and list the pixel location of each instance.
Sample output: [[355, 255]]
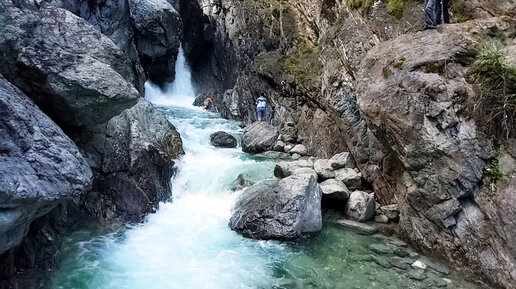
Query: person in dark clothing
[[431, 7], [272, 114], [442, 10]]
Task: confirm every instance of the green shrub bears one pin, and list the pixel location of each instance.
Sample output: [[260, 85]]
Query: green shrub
[[492, 169], [460, 12], [396, 8], [496, 105]]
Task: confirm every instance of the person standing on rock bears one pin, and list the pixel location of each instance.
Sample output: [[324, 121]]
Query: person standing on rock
[[441, 13], [431, 9], [261, 107]]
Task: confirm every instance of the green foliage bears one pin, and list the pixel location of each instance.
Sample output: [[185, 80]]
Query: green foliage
[[396, 8], [356, 4], [492, 169], [302, 61], [460, 12], [497, 102]]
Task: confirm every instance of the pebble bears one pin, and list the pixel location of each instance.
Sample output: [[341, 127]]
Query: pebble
[[419, 264]]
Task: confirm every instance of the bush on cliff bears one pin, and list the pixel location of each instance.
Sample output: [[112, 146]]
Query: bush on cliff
[[495, 107]]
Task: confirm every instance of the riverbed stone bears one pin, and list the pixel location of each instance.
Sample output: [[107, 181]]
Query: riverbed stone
[[296, 156], [350, 177], [360, 206], [223, 139], [380, 249], [282, 210], [399, 262], [417, 274], [279, 146], [335, 189], [324, 170], [381, 261], [360, 228], [419, 264]]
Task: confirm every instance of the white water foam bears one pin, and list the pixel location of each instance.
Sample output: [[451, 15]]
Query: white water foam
[[178, 93]]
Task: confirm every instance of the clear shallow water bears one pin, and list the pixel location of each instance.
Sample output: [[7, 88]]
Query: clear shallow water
[[188, 244]]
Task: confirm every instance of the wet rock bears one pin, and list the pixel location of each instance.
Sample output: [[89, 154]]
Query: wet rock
[[223, 140], [399, 263], [324, 170], [241, 182], [360, 228], [73, 73], [259, 137], [342, 160], [40, 167], [417, 274], [335, 189], [157, 33], [381, 261], [283, 210], [350, 177], [299, 149], [273, 155], [380, 249], [381, 219], [360, 206]]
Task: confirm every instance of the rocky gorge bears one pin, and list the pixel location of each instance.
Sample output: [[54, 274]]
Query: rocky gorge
[[374, 118]]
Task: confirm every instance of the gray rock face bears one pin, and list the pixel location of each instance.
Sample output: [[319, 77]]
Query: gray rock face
[[137, 153], [335, 189], [259, 137], [157, 29], [283, 210], [223, 140], [76, 75], [360, 206], [39, 165]]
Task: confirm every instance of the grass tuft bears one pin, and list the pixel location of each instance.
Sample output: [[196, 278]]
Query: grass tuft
[[496, 105], [396, 8]]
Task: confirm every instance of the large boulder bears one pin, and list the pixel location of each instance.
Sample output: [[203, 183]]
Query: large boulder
[[323, 169], [350, 177], [75, 75], [335, 189], [39, 165], [283, 210], [133, 162], [158, 29], [342, 160], [259, 137], [360, 206], [223, 140]]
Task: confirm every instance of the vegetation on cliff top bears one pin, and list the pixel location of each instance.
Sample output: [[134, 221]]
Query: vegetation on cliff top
[[394, 7], [495, 108]]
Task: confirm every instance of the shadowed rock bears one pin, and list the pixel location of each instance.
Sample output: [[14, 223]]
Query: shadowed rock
[[39, 165], [223, 140]]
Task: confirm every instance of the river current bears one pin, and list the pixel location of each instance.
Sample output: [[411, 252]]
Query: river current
[[188, 244]]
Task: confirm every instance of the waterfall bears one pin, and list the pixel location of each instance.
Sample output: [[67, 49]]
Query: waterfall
[[178, 93]]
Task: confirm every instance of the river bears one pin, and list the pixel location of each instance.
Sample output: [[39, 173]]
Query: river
[[188, 244]]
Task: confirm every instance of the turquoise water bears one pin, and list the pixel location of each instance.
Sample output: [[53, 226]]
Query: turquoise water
[[188, 244]]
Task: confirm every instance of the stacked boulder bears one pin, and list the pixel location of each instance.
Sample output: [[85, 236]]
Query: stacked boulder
[[342, 186]]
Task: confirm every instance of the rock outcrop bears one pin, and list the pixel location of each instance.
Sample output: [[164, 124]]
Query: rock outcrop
[[72, 74], [133, 160], [223, 140], [259, 137], [282, 210], [157, 31], [40, 167]]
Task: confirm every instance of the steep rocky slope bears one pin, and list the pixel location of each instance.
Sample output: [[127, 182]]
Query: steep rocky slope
[[364, 80]]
